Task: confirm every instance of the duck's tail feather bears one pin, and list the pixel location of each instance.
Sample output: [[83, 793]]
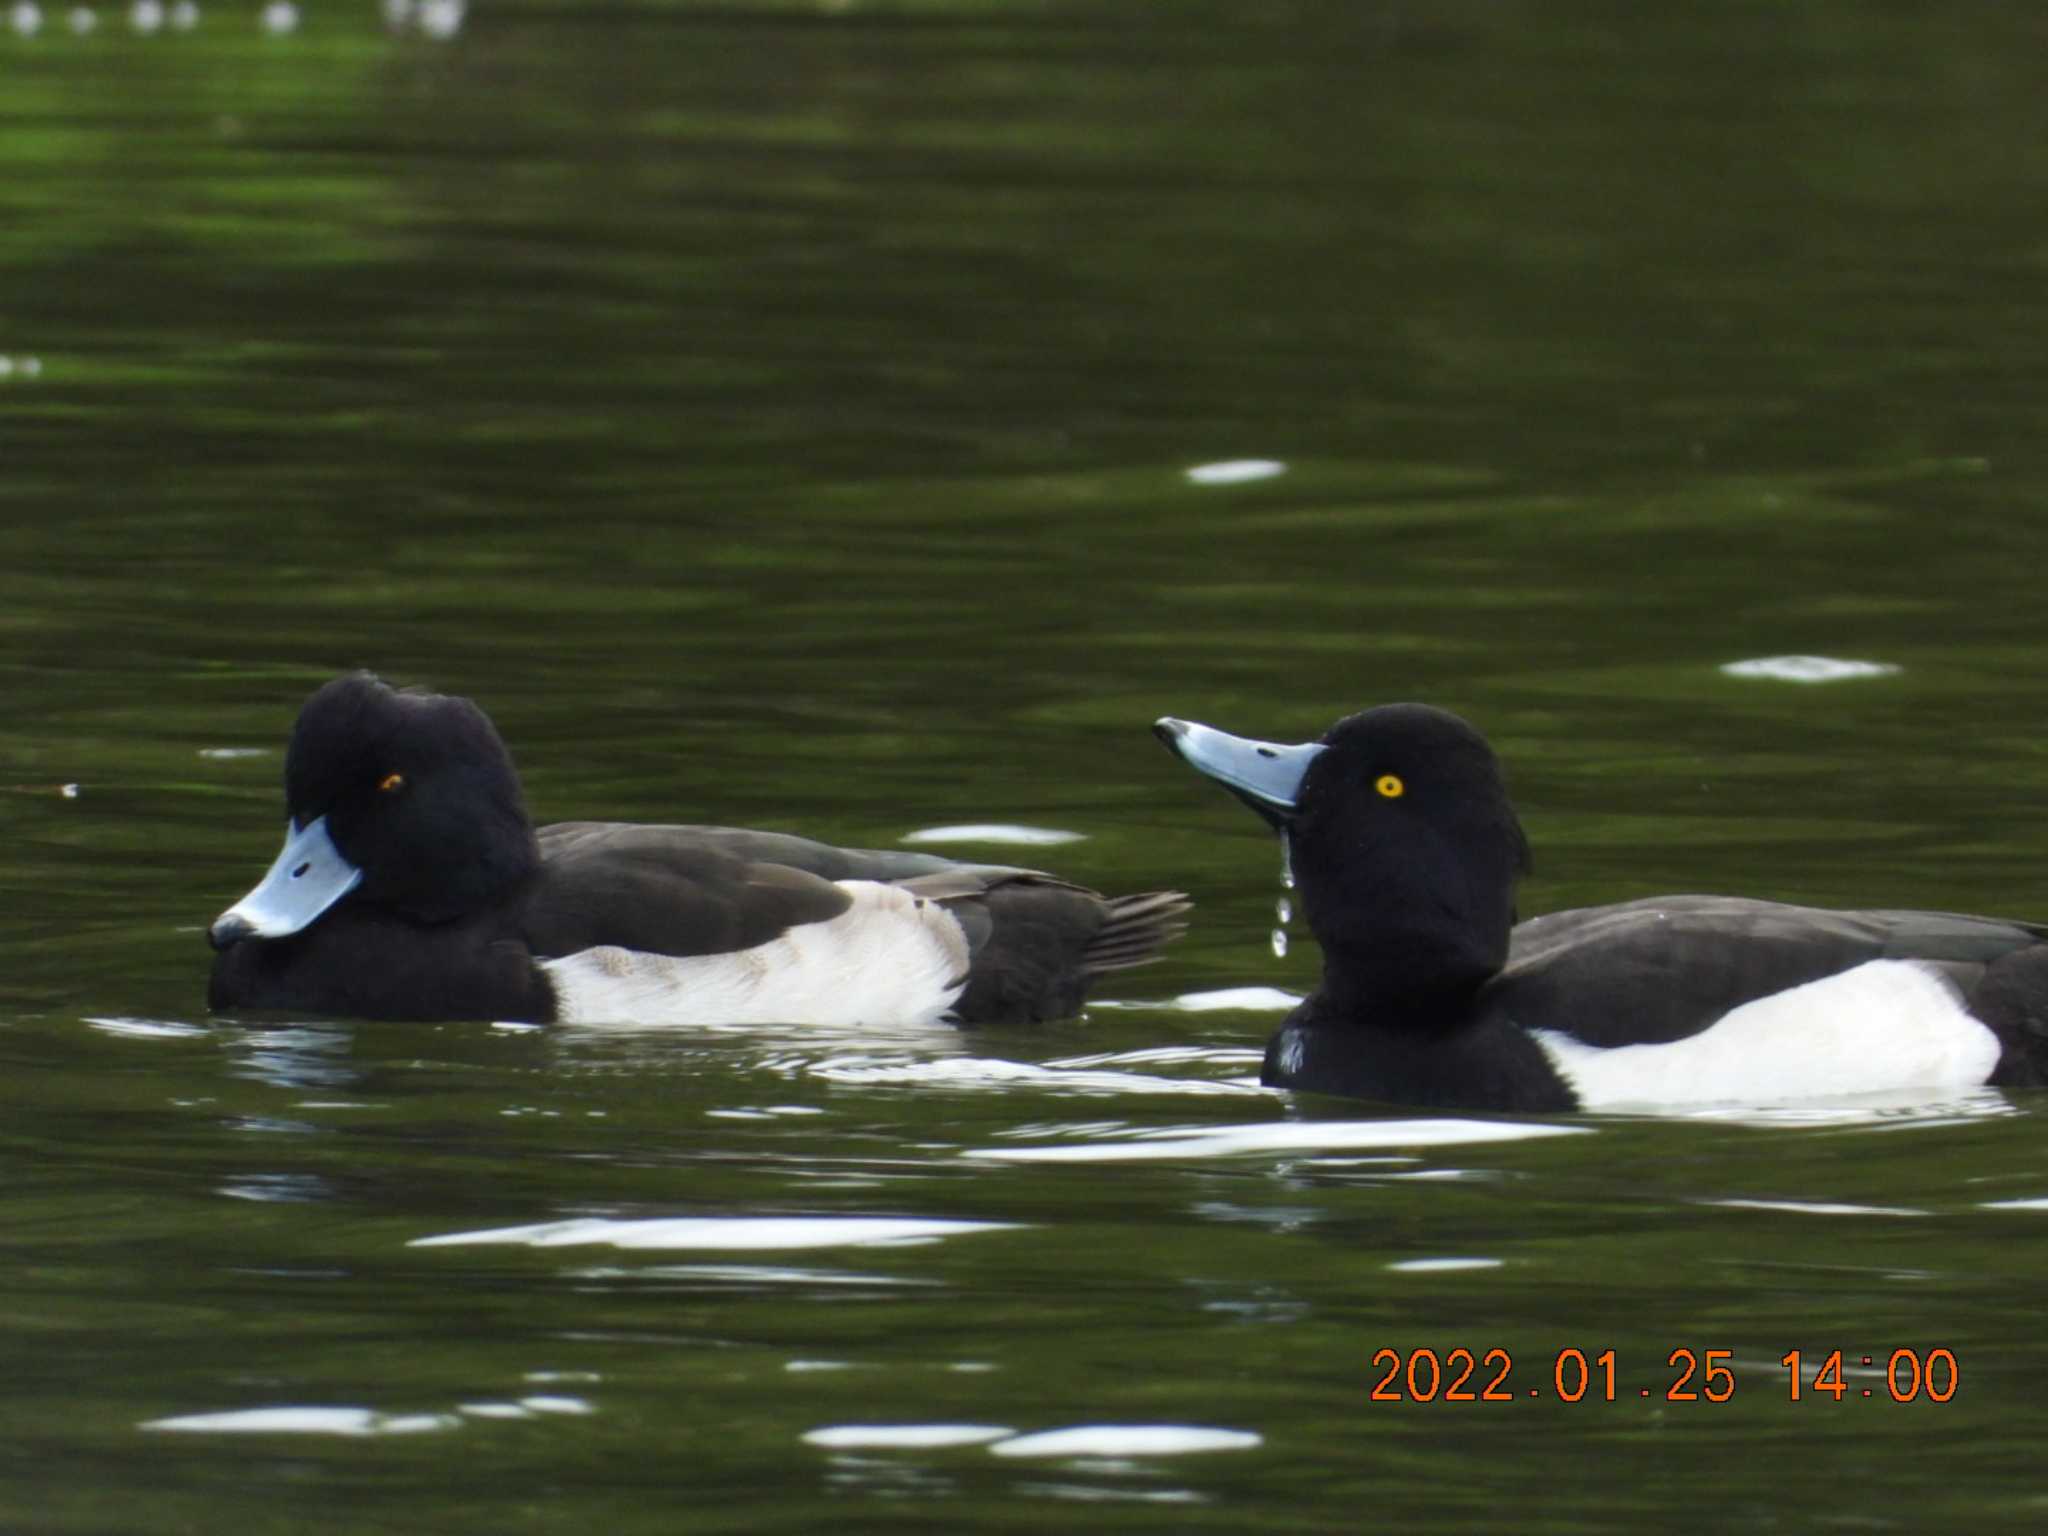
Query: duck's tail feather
[[1136, 930]]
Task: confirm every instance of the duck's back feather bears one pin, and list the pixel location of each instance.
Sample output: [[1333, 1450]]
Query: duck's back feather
[[1653, 971], [689, 890], [1033, 941]]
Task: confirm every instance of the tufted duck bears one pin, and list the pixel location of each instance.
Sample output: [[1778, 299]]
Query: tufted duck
[[1406, 851], [412, 886]]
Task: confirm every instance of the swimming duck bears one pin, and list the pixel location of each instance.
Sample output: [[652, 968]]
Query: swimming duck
[[1406, 852], [412, 885]]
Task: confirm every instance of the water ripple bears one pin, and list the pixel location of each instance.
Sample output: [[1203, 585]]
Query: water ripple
[[991, 1072], [903, 1437], [1273, 1136], [719, 1232], [994, 832], [1129, 1440], [352, 1422]]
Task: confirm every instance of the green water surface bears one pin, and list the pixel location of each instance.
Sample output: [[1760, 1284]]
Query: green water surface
[[781, 414]]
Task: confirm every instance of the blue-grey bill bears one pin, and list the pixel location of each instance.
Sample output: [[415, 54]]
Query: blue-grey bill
[[1263, 774], [309, 876]]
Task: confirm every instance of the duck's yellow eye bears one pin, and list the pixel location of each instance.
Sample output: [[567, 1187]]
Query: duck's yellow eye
[[1390, 786], [391, 781]]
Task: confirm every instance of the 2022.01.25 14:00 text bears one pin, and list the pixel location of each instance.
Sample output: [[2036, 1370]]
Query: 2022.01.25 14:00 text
[[1707, 1375]]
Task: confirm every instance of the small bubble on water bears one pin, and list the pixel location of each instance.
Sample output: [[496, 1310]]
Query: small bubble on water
[[26, 18], [146, 16], [280, 17], [1280, 943], [84, 19], [184, 16]]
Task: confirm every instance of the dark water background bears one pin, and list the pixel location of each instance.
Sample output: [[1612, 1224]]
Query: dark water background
[[780, 414]]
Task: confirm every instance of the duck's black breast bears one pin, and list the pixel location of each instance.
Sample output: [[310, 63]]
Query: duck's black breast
[[1477, 1059], [360, 962]]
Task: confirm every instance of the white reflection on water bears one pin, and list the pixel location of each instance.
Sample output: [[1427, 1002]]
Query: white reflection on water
[[750, 1276], [994, 832], [438, 19], [1247, 999], [721, 1232], [359, 1423], [1441, 1266], [306, 1421], [299, 1056], [992, 1072], [1129, 1440], [268, 1188], [1816, 1208], [1893, 1109], [903, 1437], [1273, 1136], [1808, 669], [148, 1029], [1081, 1440], [1162, 1056], [441, 19], [797, 1036], [1235, 471]]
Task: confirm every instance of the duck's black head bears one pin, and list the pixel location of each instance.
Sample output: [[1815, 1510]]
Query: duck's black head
[[405, 801], [1404, 846]]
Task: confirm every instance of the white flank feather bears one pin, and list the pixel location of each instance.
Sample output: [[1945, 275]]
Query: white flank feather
[[890, 958], [1885, 1024]]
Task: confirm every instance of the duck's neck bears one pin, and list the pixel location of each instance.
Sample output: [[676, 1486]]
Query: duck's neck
[[1403, 982], [1346, 999]]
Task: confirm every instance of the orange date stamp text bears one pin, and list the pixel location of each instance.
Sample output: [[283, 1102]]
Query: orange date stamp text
[[1572, 1375]]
